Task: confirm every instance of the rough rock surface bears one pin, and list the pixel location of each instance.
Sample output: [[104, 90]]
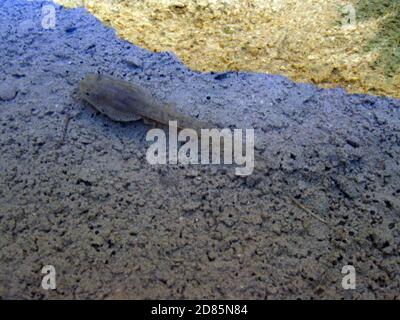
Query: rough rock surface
[[114, 226]]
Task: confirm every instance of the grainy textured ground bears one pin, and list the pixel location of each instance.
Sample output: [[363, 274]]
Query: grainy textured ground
[[115, 227]]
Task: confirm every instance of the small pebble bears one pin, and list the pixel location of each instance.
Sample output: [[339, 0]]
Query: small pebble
[[133, 62], [7, 91]]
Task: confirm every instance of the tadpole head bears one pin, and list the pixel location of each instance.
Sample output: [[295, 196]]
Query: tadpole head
[[88, 85]]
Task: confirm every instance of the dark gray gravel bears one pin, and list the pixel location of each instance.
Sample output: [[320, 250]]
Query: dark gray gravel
[[115, 227]]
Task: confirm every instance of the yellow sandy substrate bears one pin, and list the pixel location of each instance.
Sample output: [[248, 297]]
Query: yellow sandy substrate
[[304, 40]]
